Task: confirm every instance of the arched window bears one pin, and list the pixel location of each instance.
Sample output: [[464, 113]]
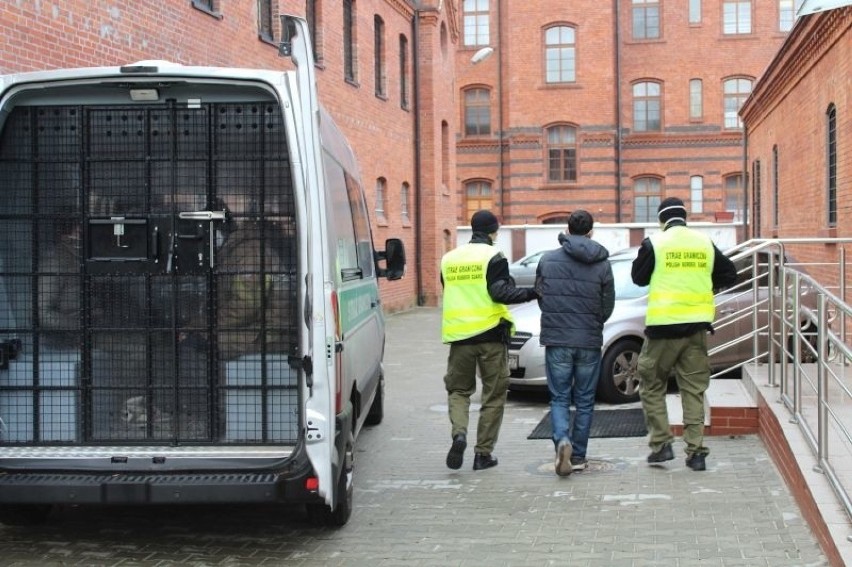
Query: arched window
[[404, 194], [477, 112], [733, 184], [831, 162], [696, 193], [736, 91], [647, 106], [477, 196], [379, 56], [696, 99], [775, 186], [560, 55], [381, 191], [350, 39], [561, 154], [647, 194]]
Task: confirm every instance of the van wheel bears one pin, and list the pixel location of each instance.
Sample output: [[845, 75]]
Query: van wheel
[[377, 408], [24, 514], [619, 380], [323, 515]]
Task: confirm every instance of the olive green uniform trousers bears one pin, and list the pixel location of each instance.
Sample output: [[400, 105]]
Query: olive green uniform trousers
[[460, 381], [687, 356]]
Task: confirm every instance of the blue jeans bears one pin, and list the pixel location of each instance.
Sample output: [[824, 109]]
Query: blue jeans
[[572, 378]]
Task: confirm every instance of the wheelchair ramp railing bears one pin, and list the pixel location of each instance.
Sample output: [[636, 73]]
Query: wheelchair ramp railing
[[798, 326]]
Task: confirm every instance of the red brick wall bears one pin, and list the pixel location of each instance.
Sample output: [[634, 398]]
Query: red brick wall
[[782, 455], [682, 149], [789, 112], [78, 33]]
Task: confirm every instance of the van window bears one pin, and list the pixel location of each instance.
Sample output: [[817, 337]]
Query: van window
[[343, 249], [358, 204]]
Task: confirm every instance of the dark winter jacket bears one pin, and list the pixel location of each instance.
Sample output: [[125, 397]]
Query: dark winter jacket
[[576, 293]]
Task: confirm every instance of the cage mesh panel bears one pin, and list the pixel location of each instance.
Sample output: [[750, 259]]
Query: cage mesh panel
[[58, 188], [17, 137], [17, 186], [58, 134], [138, 351], [108, 197]]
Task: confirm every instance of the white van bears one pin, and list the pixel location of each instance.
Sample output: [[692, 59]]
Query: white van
[[189, 308]]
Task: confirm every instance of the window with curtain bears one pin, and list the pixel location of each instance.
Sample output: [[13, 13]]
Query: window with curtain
[[647, 107], [560, 55], [696, 99], [736, 91], [379, 56], [350, 66], [477, 112], [647, 194], [736, 17], [646, 19], [475, 22], [477, 196], [561, 154], [696, 193]]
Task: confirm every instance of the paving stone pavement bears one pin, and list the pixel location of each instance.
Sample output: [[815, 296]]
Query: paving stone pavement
[[413, 511]]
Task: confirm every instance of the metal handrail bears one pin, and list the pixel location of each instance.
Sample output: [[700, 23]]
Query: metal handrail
[[799, 333]]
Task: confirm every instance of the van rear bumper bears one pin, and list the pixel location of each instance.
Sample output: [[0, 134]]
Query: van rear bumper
[[141, 488]]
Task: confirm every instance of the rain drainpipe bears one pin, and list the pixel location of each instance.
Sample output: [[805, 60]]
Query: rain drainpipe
[[616, 6], [418, 182]]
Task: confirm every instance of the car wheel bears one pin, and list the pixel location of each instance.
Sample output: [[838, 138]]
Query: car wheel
[[619, 380]]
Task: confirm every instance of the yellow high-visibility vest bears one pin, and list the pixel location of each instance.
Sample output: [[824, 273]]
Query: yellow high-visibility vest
[[468, 309], [681, 287]]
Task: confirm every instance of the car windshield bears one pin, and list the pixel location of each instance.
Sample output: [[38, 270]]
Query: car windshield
[[624, 286]]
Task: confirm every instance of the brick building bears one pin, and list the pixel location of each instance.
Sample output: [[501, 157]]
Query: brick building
[[608, 106], [798, 131], [377, 61]]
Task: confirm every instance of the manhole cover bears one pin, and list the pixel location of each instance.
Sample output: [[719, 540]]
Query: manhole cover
[[593, 466]]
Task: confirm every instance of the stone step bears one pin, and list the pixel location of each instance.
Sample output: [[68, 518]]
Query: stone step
[[729, 409]]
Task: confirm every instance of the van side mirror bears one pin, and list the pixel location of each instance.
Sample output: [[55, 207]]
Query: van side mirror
[[394, 257]]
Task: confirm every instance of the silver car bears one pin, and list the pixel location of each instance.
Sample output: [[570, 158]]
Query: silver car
[[624, 331], [523, 270]]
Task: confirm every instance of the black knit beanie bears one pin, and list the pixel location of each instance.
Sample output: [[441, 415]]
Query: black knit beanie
[[484, 221], [671, 208]]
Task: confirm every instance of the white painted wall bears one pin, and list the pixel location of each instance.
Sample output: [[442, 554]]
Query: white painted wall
[[614, 236]]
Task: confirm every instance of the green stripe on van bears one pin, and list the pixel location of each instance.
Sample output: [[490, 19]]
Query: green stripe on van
[[356, 304]]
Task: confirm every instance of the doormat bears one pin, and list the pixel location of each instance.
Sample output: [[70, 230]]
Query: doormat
[[605, 423]]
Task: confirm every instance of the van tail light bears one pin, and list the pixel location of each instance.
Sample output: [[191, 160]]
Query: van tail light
[[338, 355]]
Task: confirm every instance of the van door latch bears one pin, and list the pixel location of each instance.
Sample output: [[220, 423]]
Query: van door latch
[[211, 217]]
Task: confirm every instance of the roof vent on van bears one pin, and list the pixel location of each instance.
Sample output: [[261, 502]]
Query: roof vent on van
[[147, 66]]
